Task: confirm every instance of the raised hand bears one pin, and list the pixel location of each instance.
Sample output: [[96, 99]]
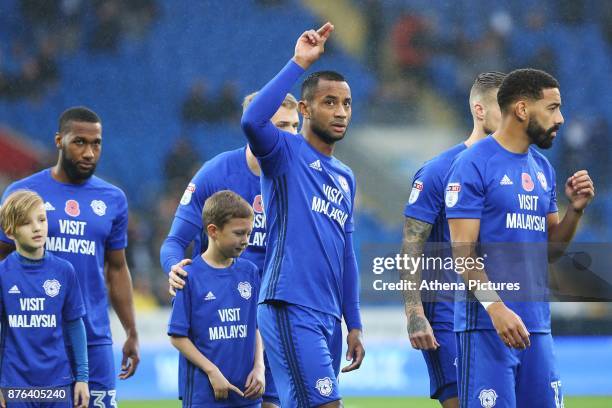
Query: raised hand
[[311, 45], [580, 190]]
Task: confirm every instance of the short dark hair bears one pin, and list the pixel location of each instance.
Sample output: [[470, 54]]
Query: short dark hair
[[76, 114], [310, 84], [524, 83], [487, 81], [223, 206]]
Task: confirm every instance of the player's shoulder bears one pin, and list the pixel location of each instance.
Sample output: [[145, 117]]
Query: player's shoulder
[[442, 162], [102, 186], [220, 165], [539, 157], [479, 153], [247, 267], [57, 263]]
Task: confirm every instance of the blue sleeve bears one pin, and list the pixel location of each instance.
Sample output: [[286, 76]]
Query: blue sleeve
[[180, 317], [552, 208], [75, 331], [427, 194], [180, 236], [264, 138], [117, 238], [73, 307], [465, 189], [350, 287]]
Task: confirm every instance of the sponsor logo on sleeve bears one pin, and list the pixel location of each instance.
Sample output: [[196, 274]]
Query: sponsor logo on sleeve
[[186, 198], [452, 194], [417, 187]]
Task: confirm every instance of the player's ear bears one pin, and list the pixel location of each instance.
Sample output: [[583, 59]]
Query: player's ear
[[58, 140], [521, 111], [211, 230], [479, 111], [303, 108]]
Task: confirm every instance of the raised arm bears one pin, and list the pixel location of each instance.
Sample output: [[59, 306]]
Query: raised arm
[[261, 133]]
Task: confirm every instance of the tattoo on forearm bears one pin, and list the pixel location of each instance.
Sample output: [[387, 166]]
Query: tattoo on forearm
[[416, 323], [415, 235]]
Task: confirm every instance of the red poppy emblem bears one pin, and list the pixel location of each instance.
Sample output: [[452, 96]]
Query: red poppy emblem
[[258, 204], [72, 208], [527, 182]]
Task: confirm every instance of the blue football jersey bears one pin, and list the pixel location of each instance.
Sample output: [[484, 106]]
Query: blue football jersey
[[226, 171], [85, 220], [36, 298], [426, 203], [308, 201], [511, 194], [217, 310]]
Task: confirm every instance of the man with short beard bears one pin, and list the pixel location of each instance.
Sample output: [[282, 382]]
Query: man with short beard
[[88, 219], [501, 198], [310, 267]]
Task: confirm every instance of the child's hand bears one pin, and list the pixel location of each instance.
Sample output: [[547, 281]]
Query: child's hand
[[221, 386], [255, 383], [81, 394]]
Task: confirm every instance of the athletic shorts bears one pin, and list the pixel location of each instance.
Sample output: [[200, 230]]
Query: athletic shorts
[[442, 366], [304, 348], [492, 374]]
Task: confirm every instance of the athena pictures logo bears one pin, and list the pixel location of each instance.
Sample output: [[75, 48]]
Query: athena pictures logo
[[487, 398], [52, 287], [325, 386], [452, 194], [98, 207], [245, 289]]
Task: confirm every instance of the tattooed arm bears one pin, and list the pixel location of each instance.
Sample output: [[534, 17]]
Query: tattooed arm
[[419, 330]]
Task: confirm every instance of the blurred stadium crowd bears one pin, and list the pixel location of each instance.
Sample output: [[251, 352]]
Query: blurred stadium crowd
[[167, 79]]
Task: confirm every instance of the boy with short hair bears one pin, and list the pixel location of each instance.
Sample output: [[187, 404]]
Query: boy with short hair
[[213, 320], [40, 300]]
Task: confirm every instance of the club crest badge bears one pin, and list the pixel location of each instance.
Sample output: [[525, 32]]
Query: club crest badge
[[245, 289], [542, 180], [51, 287], [98, 207], [325, 386], [343, 183], [488, 397]]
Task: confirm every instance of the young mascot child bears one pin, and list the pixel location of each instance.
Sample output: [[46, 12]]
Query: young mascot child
[[40, 300], [213, 320]]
